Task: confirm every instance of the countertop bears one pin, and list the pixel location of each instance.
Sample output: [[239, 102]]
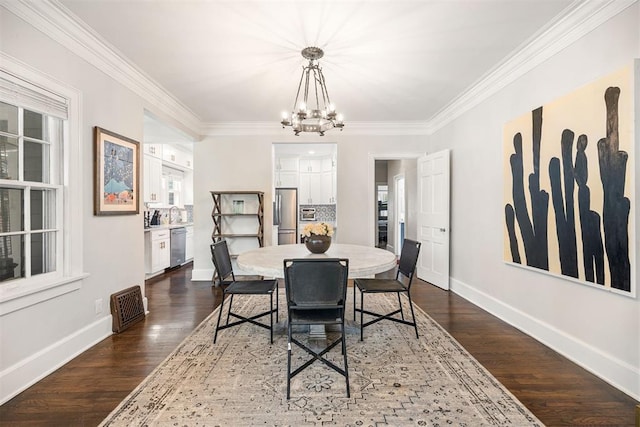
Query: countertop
[[169, 226]]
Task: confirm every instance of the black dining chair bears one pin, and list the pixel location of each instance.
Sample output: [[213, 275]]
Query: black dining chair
[[316, 291], [224, 270], [406, 267]]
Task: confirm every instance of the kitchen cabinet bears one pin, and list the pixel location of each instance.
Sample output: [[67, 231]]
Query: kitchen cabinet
[[286, 179], [311, 165], [328, 181], [189, 243], [286, 172], [152, 177], [287, 164], [154, 150], [310, 177], [310, 188], [176, 157], [157, 250], [317, 181], [314, 177]]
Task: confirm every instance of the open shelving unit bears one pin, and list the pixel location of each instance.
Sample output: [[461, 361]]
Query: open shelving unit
[[232, 223]]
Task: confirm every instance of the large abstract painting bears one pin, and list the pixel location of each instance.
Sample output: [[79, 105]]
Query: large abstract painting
[[569, 191]]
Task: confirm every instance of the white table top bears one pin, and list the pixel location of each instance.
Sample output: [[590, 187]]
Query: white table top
[[364, 261]]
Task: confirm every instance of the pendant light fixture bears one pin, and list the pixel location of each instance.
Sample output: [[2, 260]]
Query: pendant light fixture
[[312, 109]]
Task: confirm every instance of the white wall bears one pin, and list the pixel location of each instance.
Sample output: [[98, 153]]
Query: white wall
[[245, 163], [597, 329], [38, 339]]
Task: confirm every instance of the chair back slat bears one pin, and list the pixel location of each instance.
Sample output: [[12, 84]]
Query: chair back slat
[[409, 258], [222, 259], [316, 282]]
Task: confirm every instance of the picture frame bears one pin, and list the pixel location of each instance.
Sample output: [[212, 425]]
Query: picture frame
[[116, 174]]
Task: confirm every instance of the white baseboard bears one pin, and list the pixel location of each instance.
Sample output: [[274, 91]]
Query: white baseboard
[[616, 372], [202, 275], [32, 369]]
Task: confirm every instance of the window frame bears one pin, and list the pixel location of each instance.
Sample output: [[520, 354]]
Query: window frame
[[53, 182], [24, 292]]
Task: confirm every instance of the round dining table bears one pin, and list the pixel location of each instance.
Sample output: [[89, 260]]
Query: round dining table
[[364, 261]]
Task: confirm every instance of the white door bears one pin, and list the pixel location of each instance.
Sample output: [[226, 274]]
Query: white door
[[433, 218]]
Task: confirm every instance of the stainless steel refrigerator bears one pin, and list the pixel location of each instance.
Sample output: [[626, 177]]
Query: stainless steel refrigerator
[[285, 215]]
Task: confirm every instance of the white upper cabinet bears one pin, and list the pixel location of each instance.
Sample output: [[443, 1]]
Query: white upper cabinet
[[177, 157], [310, 165], [313, 181], [287, 164], [155, 184], [286, 172], [310, 189], [152, 179], [328, 185], [311, 168], [154, 150]]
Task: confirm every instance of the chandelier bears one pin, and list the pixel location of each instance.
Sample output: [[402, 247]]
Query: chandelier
[[306, 119]]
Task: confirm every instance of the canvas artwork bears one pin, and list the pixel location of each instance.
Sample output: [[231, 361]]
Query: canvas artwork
[[569, 203], [116, 174]]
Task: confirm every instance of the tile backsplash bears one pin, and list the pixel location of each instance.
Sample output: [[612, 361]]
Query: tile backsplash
[[180, 216], [323, 212], [189, 209]]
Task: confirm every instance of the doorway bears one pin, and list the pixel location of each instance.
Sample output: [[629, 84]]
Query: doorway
[[383, 215], [305, 187], [415, 166], [401, 201], [400, 205]]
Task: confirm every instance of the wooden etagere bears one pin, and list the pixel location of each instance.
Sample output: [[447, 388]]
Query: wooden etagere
[[222, 210]]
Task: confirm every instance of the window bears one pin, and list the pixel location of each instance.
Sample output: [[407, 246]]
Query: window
[[30, 192], [42, 161], [173, 179]]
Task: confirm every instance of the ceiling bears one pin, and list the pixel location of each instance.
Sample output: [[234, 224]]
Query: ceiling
[[385, 61]]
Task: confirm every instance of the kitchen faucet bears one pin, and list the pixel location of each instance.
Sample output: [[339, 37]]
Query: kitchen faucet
[[171, 219]]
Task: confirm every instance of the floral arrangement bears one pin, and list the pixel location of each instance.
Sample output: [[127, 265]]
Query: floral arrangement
[[318, 229]]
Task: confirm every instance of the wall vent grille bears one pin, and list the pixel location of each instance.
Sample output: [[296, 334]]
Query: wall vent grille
[[127, 308]]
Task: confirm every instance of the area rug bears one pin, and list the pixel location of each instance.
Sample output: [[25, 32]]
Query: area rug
[[395, 379]]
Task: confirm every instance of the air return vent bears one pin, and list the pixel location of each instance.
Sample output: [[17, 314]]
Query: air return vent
[[127, 308]]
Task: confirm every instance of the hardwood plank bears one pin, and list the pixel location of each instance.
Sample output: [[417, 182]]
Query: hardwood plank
[[86, 389]]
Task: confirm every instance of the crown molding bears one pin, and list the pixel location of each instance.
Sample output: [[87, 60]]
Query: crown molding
[[578, 19], [350, 128], [61, 25], [57, 22]]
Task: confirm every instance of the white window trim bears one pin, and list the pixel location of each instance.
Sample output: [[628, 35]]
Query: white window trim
[[22, 294]]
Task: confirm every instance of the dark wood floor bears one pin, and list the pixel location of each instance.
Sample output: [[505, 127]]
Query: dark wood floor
[[85, 390]]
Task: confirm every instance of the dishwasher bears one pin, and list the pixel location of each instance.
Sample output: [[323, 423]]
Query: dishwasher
[[178, 246]]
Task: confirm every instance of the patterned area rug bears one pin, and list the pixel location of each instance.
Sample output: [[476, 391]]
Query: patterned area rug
[[395, 379]]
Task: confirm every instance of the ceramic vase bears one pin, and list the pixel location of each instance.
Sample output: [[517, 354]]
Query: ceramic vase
[[318, 244]]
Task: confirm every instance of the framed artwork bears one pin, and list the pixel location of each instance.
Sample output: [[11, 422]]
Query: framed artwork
[[116, 174], [569, 185]]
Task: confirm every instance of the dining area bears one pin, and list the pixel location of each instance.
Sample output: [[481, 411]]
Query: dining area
[[241, 380], [315, 276]]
